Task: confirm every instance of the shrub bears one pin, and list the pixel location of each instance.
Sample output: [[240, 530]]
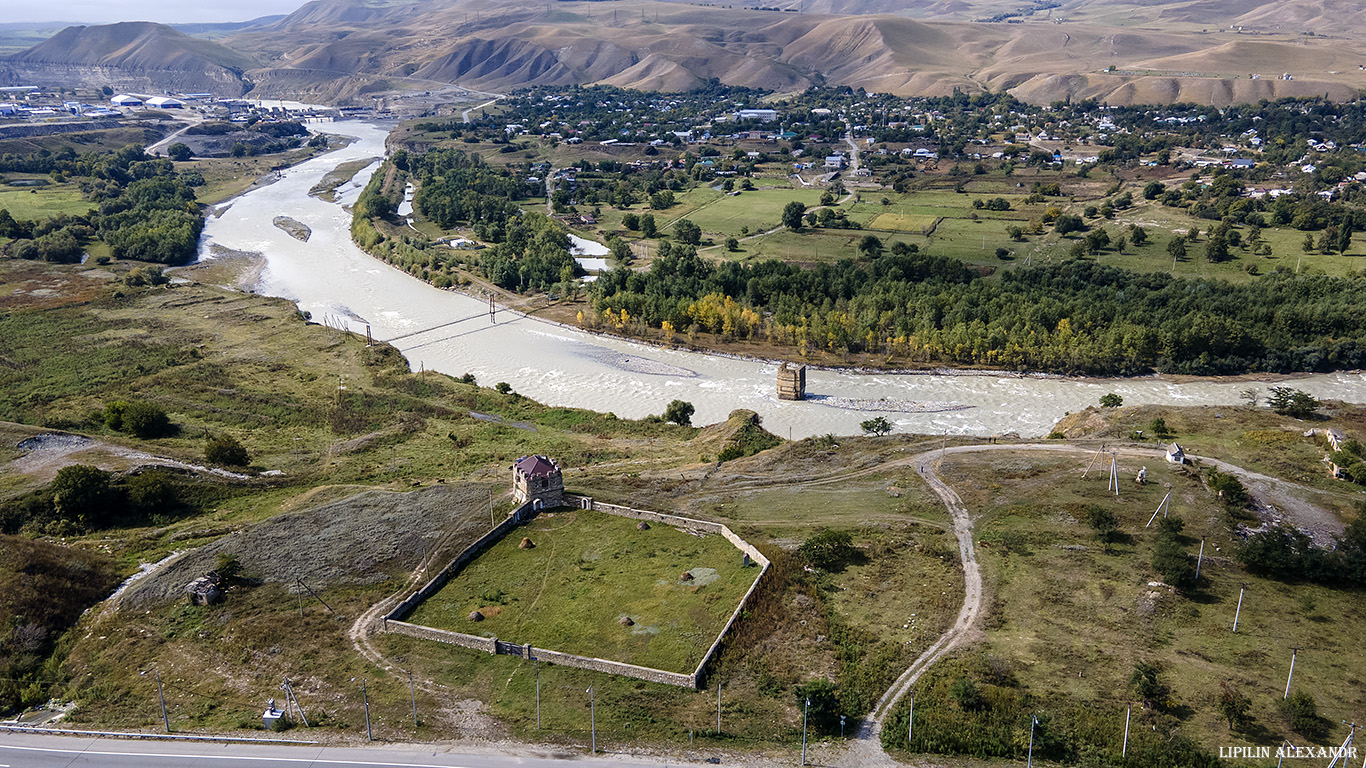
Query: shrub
[[680, 412], [1302, 713], [829, 550], [823, 713], [85, 495], [878, 425], [1111, 401], [226, 451], [143, 420]]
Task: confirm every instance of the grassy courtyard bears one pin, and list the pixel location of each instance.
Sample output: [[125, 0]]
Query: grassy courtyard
[[586, 572]]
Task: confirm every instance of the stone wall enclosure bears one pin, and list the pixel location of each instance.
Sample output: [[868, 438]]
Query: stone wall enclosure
[[393, 621]]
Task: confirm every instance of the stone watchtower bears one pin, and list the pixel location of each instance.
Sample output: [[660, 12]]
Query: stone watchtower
[[537, 479], [792, 382]]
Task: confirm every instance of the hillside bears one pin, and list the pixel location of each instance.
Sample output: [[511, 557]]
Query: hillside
[[346, 51], [130, 54]]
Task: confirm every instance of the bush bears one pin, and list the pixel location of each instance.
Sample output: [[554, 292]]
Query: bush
[[878, 425], [502, 388], [143, 420], [829, 550], [967, 694], [680, 412], [823, 714], [85, 496], [1302, 713], [226, 451], [1111, 401]]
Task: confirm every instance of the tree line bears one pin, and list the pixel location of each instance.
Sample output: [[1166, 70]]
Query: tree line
[[140, 207], [1075, 317]]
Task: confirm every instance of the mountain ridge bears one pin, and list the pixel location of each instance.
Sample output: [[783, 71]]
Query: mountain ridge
[[345, 51]]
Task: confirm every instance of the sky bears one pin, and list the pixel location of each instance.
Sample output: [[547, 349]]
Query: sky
[[167, 11]]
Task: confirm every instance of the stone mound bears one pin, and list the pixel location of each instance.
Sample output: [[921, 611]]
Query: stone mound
[[476, 616], [625, 621], [642, 526], [526, 543], [687, 576]]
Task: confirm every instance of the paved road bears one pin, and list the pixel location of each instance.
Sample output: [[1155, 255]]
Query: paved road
[[21, 750]]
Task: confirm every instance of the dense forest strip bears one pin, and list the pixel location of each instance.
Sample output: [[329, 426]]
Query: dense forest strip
[[1078, 317]]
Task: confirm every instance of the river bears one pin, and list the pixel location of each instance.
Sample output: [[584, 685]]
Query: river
[[452, 333]]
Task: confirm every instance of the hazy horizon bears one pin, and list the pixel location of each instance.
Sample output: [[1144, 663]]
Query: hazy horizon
[[165, 11]]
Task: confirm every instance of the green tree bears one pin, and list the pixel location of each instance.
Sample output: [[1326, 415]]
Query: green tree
[[225, 450], [688, 232], [679, 412], [1159, 429], [179, 152], [1292, 402], [1176, 248], [878, 425], [732, 244], [1111, 400], [1302, 713], [502, 388], [138, 418], [630, 221], [870, 247], [792, 214], [85, 495], [648, 228]]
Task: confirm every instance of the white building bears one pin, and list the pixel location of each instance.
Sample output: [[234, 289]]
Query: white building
[[765, 115], [126, 100], [165, 102]]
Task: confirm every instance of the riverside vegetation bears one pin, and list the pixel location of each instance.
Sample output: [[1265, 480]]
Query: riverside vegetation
[[1098, 294]]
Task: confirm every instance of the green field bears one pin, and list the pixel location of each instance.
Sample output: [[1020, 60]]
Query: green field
[[723, 215], [41, 202], [585, 573]]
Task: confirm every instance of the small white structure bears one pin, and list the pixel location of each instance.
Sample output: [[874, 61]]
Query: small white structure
[[165, 102], [835, 161], [126, 100], [1175, 455]]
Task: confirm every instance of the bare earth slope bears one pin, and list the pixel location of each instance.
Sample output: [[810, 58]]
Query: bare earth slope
[[348, 50], [130, 52]]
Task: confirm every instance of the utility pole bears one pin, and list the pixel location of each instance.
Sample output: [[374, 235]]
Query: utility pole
[[1033, 721], [1124, 751], [1160, 507], [412, 691], [805, 710], [165, 719], [1239, 611], [1342, 752], [365, 697], [910, 721], [538, 695], [593, 718], [1199, 560], [718, 707], [841, 726], [1294, 652]]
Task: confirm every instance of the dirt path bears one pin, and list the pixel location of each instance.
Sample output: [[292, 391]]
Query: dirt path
[[866, 748], [465, 116]]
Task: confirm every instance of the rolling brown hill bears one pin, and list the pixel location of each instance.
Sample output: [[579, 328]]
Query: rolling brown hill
[[1153, 50], [133, 52]]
